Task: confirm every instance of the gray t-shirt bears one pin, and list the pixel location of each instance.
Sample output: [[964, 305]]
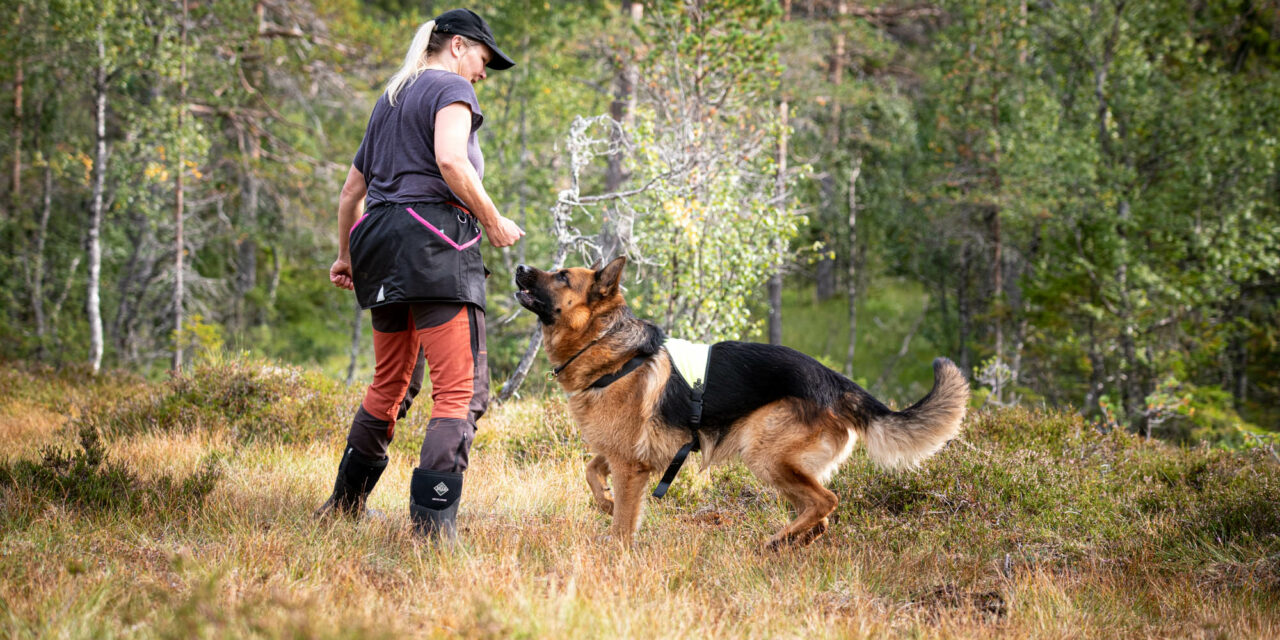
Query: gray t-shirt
[[397, 155]]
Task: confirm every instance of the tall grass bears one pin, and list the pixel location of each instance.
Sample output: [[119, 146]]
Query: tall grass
[[1033, 525]]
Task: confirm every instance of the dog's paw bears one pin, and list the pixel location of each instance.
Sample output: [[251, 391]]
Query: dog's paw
[[605, 505], [613, 541], [779, 542]]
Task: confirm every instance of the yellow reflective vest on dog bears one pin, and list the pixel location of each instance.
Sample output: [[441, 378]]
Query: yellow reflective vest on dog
[[690, 360]]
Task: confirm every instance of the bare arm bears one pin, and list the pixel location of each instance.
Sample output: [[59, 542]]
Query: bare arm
[[350, 206], [453, 127]]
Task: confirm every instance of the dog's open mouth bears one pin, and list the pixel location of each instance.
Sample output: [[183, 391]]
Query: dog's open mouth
[[525, 280]]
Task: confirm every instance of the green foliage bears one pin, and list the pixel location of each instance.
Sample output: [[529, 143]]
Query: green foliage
[[1198, 414], [1121, 156], [1048, 488], [715, 211], [253, 399], [86, 479]]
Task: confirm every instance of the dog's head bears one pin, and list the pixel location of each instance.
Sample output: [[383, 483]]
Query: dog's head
[[569, 299]]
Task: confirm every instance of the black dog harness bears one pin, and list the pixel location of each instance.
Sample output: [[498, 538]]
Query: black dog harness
[[698, 386]]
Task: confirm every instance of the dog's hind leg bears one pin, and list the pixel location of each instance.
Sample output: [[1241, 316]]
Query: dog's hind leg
[[630, 479], [812, 501], [597, 477]]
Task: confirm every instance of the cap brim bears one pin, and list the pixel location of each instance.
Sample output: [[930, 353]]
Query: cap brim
[[500, 60]]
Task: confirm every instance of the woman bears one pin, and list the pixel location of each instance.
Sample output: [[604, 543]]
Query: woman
[[413, 258]]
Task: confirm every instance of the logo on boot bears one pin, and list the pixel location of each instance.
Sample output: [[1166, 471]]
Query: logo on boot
[[441, 489]]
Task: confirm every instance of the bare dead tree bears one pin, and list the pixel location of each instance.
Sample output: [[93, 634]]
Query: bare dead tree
[[582, 149]]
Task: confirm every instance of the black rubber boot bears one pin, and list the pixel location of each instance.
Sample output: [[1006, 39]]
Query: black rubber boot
[[357, 474], [433, 503]]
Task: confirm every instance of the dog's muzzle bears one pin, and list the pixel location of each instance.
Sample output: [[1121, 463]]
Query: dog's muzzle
[[526, 278]]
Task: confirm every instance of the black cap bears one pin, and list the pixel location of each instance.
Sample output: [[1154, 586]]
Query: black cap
[[465, 22]]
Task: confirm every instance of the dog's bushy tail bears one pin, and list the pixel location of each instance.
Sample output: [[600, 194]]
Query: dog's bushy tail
[[903, 439]]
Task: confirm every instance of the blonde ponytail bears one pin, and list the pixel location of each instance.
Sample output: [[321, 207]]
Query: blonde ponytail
[[414, 62]]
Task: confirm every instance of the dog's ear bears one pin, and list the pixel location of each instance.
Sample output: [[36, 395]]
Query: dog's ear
[[608, 278], [595, 266]]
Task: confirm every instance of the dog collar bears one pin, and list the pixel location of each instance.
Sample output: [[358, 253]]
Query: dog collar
[[555, 373]]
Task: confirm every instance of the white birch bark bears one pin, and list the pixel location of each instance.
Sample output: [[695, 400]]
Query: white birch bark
[[94, 302]]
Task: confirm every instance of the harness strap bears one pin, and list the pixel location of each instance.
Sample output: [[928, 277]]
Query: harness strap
[[694, 444], [695, 417], [611, 378], [674, 467]]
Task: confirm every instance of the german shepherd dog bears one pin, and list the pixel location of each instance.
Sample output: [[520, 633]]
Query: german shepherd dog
[[790, 419]]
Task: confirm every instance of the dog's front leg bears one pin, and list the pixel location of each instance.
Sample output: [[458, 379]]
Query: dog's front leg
[[597, 476], [630, 479]]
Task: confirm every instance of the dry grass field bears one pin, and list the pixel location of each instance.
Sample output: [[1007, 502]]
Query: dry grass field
[[183, 509]]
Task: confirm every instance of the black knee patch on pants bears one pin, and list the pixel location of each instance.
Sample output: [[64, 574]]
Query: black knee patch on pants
[[447, 445], [368, 435], [434, 489]]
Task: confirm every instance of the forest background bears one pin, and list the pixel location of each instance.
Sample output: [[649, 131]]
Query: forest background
[[1076, 201]]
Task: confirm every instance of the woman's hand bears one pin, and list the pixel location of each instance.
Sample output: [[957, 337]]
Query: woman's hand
[[503, 232], [340, 274]]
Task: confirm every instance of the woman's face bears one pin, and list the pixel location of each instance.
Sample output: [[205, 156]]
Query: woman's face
[[472, 60]]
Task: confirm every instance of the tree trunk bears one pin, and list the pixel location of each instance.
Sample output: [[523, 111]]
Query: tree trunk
[[963, 309], [37, 284], [997, 290], [178, 244], [131, 286], [775, 280], [1018, 299], [1242, 373], [615, 231], [19, 80], [826, 286], [247, 245], [997, 241], [94, 302], [522, 368], [853, 265], [355, 342], [1131, 369], [560, 216], [273, 288], [1097, 375]]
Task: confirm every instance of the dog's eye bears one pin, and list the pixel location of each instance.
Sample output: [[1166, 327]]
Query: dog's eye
[[563, 276]]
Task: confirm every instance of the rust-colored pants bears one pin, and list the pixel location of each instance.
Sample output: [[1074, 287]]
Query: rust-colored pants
[[448, 338]]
